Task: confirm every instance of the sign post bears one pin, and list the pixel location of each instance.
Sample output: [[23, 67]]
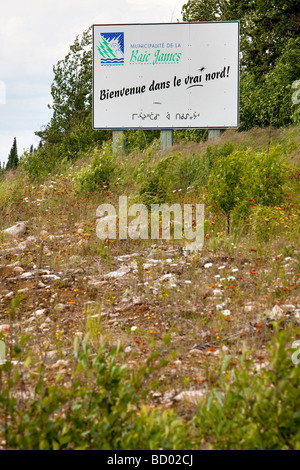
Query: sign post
[[166, 76], [166, 139], [214, 134], [119, 142]]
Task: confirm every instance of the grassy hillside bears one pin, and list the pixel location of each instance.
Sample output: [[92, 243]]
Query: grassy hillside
[[139, 344]]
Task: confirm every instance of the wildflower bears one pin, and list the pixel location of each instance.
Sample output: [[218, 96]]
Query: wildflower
[[226, 312]]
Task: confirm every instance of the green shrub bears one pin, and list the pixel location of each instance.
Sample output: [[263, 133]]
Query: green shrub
[[254, 410], [268, 99], [243, 179], [100, 408], [264, 221], [43, 161], [178, 172], [97, 410], [160, 181], [140, 139], [189, 135], [100, 172]]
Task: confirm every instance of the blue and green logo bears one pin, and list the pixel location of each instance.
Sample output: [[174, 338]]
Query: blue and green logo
[[111, 48]]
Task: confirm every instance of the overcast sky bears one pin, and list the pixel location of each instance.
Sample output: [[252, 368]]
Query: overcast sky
[[34, 35]]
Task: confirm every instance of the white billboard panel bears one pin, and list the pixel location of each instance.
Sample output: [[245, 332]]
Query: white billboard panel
[[174, 75]]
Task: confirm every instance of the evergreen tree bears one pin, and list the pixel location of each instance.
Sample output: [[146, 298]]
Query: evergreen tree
[[13, 158]]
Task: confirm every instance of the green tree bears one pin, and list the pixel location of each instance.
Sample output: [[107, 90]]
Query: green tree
[[266, 26], [268, 100], [243, 178], [270, 51], [13, 158], [71, 90]]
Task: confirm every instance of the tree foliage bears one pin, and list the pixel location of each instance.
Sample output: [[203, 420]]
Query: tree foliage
[[266, 26], [245, 178], [270, 53], [13, 158], [71, 90]]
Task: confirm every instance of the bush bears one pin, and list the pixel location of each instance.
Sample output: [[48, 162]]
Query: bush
[[268, 100], [264, 220], [255, 410], [160, 181], [180, 172], [43, 161], [140, 139], [100, 408], [97, 410], [243, 179], [100, 172]]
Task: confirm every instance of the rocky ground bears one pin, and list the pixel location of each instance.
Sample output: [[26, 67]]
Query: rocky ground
[[194, 308]]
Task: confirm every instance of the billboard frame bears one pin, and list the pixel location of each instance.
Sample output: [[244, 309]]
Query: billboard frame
[[168, 127]]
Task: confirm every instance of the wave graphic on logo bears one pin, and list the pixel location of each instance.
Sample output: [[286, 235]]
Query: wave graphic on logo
[[111, 48]]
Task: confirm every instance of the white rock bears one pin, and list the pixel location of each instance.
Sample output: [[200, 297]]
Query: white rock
[[191, 396], [208, 265], [40, 312], [18, 269], [26, 275], [50, 276], [122, 271], [22, 246], [23, 291], [44, 233], [196, 352], [276, 313], [51, 355], [288, 307], [248, 308], [16, 231], [17, 263], [41, 285], [59, 363], [9, 295]]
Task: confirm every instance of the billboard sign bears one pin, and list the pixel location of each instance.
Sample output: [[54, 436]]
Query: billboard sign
[[171, 75]]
